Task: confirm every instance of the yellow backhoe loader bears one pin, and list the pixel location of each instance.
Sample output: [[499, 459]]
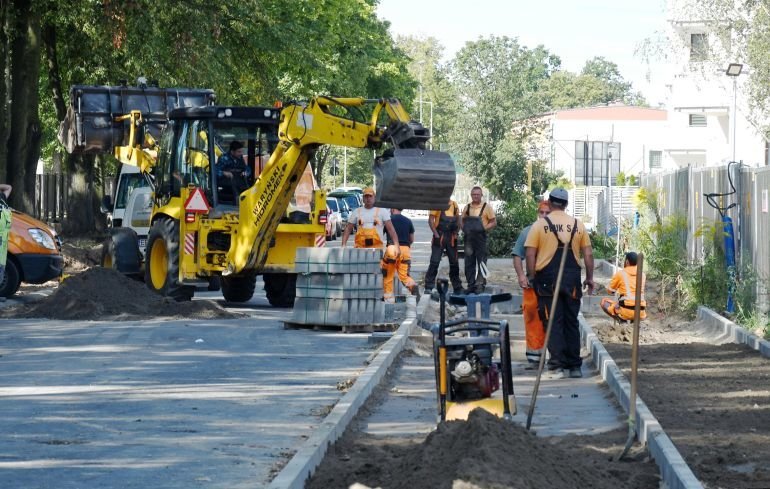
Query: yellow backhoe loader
[[198, 229]]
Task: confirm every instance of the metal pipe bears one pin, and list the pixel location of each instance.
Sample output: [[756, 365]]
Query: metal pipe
[[634, 357], [566, 249]]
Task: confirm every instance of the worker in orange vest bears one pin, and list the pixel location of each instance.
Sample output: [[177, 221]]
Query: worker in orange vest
[[534, 331], [623, 285]]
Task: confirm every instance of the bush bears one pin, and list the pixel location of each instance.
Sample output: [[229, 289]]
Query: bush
[[603, 245], [517, 213]]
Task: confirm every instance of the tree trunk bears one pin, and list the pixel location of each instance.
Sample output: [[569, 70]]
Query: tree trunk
[[25, 133], [4, 81], [82, 201]]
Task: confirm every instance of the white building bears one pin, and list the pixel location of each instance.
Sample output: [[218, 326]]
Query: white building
[[706, 125], [592, 145]]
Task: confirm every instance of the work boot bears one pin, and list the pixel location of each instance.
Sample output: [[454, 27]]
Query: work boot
[[575, 373], [559, 373]]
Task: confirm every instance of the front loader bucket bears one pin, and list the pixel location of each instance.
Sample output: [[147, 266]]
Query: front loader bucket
[[415, 179]]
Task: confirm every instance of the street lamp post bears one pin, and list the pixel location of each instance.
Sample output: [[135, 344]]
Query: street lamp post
[[734, 71]]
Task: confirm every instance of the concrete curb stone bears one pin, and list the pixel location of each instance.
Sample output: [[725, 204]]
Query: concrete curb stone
[[311, 453], [674, 470]]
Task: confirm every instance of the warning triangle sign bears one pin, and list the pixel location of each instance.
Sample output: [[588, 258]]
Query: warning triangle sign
[[197, 202]]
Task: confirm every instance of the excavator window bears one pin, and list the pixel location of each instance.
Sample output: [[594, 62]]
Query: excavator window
[[162, 171]]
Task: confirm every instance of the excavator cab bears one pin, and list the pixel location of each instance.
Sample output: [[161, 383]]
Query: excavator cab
[[196, 150]]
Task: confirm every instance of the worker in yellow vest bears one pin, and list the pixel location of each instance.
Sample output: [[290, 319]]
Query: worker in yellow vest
[[623, 285]]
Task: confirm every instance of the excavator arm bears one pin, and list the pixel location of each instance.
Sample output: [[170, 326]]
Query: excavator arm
[[407, 175]]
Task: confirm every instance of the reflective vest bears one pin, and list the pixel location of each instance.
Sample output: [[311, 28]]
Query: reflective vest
[[628, 300]]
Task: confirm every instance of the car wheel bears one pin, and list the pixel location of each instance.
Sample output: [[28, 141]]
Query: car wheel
[[11, 279]]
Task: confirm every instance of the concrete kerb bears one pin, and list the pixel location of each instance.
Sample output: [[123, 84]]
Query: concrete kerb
[[309, 456], [674, 470], [732, 331]]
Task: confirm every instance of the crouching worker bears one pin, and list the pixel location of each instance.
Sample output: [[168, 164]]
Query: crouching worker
[[398, 257], [623, 285]]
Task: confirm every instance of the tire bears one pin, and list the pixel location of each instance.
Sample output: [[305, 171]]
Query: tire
[[280, 288], [339, 230], [11, 279], [239, 289], [109, 258], [215, 283], [162, 261]]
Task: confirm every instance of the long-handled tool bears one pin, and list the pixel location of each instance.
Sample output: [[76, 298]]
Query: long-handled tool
[[634, 358], [565, 250]]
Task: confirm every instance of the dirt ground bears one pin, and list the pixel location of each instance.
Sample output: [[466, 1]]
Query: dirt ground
[[712, 400], [482, 452], [89, 292]]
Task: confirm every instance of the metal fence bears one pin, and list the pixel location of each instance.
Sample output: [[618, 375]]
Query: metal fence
[[51, 193], [684, 192]]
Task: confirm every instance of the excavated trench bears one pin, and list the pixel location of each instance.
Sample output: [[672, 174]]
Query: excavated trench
[[711, 397]]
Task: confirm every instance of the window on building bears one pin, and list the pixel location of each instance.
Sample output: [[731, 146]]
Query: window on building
[[697, 120], [699, 47], [656, 159], [593, 160]]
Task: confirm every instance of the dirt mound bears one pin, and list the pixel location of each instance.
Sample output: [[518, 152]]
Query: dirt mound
[[483, 452], [80, 255], [651, 331], [100, 293]]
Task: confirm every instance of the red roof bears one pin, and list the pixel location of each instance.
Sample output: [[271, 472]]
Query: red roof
[[612, 113]]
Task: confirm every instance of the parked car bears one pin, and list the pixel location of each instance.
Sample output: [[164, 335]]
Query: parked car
[[351, 199], [34, 254]]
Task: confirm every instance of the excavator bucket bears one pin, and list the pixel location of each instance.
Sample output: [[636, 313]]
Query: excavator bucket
[[415, 179], [90, 125]]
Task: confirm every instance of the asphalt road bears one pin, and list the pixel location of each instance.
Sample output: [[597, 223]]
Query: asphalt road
[[171, 404]]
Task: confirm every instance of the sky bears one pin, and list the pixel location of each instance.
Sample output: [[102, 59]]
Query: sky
[[575, 30]]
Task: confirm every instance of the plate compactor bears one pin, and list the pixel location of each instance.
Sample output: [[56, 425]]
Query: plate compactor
[[472, 358]]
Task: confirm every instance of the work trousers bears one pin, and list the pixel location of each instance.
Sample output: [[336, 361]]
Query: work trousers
[[564, 342], [475, 254], [534, 331], [401, 266], [445, 243]]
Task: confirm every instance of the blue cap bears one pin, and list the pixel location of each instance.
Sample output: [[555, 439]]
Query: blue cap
[[558, 194]]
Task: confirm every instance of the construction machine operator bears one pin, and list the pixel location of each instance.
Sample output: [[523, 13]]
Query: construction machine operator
[[232, 171], [623, 285], [549, 237], [444, 224]]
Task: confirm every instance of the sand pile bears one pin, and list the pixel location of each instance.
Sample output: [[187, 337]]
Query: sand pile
[[101, 293], [483, 452]]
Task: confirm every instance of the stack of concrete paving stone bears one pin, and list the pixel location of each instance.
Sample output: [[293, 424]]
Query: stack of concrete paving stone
[[338, 287]]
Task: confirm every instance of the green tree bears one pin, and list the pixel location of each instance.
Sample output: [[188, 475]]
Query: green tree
[[497, 79]]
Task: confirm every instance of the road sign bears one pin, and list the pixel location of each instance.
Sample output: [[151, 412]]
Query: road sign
[[197, 202]]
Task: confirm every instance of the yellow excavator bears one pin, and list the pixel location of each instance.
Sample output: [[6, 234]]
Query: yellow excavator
[[199, 227]]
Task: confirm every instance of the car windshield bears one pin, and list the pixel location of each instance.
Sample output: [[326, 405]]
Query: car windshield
[[332, 203], [352, 201]]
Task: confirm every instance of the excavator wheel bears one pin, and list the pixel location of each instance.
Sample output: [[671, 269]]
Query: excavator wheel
[[162, 265], [240, 288], [280, 288]]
